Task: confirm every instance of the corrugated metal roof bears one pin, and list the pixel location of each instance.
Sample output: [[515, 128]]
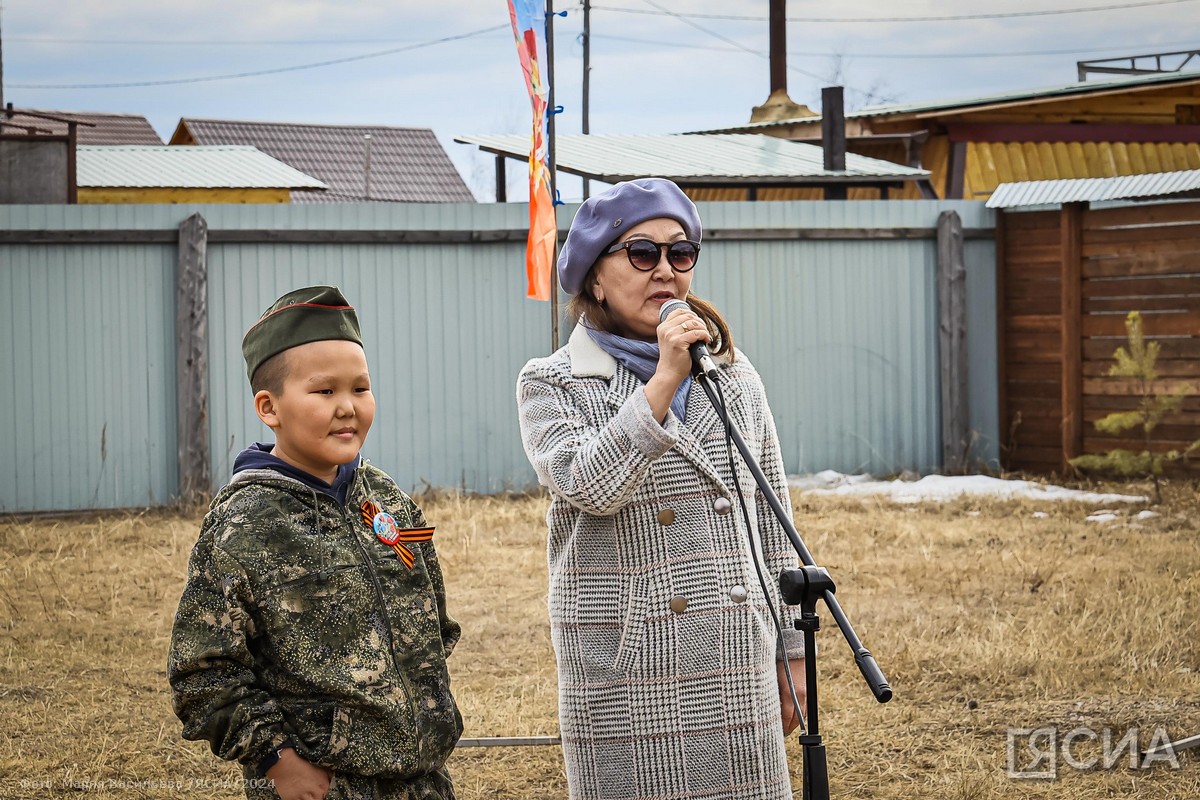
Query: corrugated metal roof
[[1125, 187], [685, 158], [106, 128], [1014, 96], [407, 165], [222, 167]]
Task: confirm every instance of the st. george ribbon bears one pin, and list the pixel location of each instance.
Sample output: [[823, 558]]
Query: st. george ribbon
[[700, 357]]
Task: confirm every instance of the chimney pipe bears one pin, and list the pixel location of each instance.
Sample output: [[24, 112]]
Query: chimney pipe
[[779, 105], [833, 137], [778, 23]]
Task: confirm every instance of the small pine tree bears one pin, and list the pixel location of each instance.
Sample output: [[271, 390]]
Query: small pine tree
[[1138, 363]]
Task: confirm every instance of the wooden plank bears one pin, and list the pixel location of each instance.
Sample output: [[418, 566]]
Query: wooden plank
[[233, 236], [1041, 389], [1153, 324], [1019, 349], [1034, 253], [1142, 287], [1163, 432], [1145, 263], [1034, 237], [1157, 233], [89, 237], [170, 195], [1072, 350], [1133, 388], [1045, 371], [1044, 303], [1187, 369], [1034, 407], [1034, 323], [1167, 348], [1185, 419], [1036, 454], [1098, 218], [833, 234], [1130, 402], [1100, 444], [1123, 305], [1021, 221], [1146, 244], [1039, 429]]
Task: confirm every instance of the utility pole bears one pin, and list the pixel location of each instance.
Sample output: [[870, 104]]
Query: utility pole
[[587, 77], [2, 56], [554, 338]]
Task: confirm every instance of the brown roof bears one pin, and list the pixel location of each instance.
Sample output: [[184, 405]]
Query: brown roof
[[106, 128], [406, 164]]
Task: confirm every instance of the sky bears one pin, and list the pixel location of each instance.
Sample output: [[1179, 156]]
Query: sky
[[657, 66]]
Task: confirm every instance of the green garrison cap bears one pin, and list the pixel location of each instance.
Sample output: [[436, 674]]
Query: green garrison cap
[[311, 314]]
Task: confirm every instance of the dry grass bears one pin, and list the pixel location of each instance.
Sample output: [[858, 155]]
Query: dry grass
[[983, 616]]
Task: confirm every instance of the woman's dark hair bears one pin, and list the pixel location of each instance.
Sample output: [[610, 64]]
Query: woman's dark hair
[[586, 305]]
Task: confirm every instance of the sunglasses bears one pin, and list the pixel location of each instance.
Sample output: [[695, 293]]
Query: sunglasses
[[644, 254]]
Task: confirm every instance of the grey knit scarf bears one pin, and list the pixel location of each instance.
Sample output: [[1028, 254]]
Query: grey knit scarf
[[641, 358]]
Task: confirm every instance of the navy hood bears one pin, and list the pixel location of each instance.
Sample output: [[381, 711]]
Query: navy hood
[[258, 456]]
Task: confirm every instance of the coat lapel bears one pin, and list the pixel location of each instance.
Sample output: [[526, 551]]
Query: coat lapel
[[589, 360]]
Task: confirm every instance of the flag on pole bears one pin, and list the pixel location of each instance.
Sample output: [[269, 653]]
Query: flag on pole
[[529, 23]]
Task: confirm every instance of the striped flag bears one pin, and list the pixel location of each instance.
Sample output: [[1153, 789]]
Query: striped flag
[[529, 24]]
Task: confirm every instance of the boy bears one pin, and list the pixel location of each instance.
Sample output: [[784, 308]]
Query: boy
[[311, 639]]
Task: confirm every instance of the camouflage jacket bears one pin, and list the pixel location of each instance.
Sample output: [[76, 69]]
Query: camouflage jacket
[[298, 623]]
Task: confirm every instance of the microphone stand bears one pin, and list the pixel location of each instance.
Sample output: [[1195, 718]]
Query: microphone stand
[[804, 587]]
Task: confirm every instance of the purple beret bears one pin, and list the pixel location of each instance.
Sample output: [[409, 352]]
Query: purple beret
[[603, 218]]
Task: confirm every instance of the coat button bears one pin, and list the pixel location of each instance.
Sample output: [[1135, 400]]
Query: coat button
[[722, 506], [738, 594], [666, 516], [679, 604]]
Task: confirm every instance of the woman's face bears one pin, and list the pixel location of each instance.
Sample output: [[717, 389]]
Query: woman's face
[[634, 298]]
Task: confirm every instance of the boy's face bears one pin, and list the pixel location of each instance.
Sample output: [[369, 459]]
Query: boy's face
[[322, 416]]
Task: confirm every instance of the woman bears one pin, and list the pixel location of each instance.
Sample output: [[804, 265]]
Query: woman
[[671, 680]]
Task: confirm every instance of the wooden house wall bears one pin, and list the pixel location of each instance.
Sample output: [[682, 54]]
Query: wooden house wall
[[1067, 281]]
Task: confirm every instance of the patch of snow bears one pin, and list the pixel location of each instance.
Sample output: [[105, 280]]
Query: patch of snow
[[1147, 514], [1102, 517], [942, 488]]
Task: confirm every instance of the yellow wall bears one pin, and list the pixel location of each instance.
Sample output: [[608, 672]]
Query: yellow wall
[[101, 196]]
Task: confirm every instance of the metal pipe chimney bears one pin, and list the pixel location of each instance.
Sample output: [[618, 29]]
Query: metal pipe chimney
[[779, 105]]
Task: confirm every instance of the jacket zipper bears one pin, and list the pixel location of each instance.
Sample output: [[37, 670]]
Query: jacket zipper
[[383, 607]]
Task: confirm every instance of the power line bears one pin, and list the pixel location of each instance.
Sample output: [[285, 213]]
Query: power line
[[683, 18], [202, 42], [256, 73], [802, 53], [939, 18]]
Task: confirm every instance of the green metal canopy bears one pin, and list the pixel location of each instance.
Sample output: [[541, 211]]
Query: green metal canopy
[[703, 161]]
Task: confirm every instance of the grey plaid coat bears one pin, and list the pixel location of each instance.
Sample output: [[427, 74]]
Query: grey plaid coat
[[667, 683]]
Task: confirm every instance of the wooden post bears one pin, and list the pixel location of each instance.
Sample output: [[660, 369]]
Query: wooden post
[[501, 181], [1002, 333], [1070, 332], [191, 361], [952, 341], [956, 166]]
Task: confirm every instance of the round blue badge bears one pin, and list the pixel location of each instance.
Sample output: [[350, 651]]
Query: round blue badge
[[385, 528]]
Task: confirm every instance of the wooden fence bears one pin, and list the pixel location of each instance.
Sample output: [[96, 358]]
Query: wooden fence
[[1066, 281]]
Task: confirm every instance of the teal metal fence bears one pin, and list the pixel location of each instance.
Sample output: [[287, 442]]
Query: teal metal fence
[[834, 302]]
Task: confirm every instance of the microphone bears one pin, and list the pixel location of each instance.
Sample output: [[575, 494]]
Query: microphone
[[700, 358]]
